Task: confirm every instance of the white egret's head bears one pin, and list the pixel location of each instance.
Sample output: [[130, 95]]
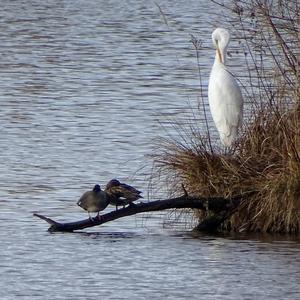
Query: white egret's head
[[221, 38]]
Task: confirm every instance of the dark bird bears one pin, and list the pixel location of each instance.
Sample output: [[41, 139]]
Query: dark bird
[[94, 201], [121, 193]]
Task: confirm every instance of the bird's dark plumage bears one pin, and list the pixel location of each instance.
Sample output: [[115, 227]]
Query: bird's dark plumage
[[121, 193]]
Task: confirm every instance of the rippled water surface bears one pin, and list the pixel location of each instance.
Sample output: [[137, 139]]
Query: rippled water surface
[[85, 88]]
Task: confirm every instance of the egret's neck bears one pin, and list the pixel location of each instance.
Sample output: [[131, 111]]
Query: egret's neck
[[217, 58]]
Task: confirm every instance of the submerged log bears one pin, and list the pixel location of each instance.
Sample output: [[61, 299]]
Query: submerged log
[[217, 205]]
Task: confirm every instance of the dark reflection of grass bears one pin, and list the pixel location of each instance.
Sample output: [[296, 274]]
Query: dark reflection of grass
[[266, 156]]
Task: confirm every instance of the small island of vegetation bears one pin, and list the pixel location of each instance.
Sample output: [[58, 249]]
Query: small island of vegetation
[[264, 163]]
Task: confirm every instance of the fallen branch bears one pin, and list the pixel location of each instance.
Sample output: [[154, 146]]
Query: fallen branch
[[215, 204], [211, 223]]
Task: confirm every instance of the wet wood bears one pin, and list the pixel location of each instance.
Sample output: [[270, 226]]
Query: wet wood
[[213, 222], [216, 205]]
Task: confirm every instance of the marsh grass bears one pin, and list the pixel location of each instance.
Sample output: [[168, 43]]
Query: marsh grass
[[266, 156]]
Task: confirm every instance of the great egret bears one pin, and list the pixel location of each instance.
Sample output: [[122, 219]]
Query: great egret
[[224, 95], [94, 201]]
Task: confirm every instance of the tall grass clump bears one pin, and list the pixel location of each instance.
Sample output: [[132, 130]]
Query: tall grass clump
[[265, 159]]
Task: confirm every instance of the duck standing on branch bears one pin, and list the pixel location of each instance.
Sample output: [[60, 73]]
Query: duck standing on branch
[[121, 193], [224, 94], [94, 201]]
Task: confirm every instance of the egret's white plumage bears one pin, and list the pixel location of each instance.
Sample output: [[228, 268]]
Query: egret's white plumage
[[224, 95]]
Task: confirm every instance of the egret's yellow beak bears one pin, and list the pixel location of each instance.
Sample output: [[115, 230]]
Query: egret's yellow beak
[[219, 53]]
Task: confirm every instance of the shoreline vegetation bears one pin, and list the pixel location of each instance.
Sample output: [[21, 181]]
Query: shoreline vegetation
[[265, 160], [253, 186]]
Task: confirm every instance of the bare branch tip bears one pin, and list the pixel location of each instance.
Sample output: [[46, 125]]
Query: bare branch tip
[[48, 220]]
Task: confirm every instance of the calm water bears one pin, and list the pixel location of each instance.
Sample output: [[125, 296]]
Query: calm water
[[85, 88]]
